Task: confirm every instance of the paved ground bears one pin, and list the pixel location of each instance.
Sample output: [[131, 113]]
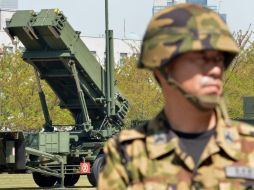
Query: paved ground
[[25, 181]]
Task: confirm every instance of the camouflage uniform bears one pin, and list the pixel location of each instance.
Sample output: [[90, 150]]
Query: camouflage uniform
[[151, 156]]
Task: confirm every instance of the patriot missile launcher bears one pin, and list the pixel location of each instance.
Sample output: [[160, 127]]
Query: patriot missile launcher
[[83, 86]]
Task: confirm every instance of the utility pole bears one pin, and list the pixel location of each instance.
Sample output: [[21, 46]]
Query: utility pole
[[109, 66]]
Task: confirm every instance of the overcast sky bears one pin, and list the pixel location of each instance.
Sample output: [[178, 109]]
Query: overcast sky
[[87, 16]]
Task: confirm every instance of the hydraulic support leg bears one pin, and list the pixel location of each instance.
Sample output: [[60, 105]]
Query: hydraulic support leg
[[87, 121]]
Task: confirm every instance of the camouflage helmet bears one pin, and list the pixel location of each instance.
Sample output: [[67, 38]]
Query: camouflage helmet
[[182, 28]]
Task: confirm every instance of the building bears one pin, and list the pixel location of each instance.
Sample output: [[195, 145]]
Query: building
[[122, 47], [200, 2], [9, 4], [7, 9], [5, 41], [160, 4]]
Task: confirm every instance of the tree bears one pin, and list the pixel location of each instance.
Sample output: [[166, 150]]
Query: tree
[[19, 102], [141, 90], [143, 93], [20, 106], [239, 81]]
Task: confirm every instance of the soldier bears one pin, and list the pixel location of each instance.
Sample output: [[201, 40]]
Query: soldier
[[191, 143]]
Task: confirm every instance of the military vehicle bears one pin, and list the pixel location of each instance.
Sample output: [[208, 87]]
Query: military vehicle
[[248, 110], [82, 85]]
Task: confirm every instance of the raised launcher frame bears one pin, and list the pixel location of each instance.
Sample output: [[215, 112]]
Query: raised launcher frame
[[59, 57]]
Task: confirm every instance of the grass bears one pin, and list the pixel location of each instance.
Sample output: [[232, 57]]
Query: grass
[[25, 181]]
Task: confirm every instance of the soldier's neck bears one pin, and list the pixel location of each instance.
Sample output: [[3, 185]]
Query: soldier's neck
[[184, 117]]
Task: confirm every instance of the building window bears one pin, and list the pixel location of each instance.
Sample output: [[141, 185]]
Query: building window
[[170, 3], [9, 49], [213, 7], [123, 57], [95, 56], [93, 53], [22, 49], [135, 55], [201, 2], [157, 9], [9, 4], [1, 53], [105, 57]]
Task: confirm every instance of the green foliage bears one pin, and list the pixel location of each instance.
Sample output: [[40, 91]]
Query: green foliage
[[20, 106], [141, 90], [19, 102], [145, 97], [239, 81]]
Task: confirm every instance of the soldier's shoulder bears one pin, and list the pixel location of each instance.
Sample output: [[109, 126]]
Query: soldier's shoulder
[[131, 134], [125, 136], [244, 128]]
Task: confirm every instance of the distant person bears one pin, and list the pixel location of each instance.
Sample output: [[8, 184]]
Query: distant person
[[191, 144]]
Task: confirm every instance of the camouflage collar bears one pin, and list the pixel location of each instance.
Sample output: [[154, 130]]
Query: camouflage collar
[[161, 140], [227, 137]]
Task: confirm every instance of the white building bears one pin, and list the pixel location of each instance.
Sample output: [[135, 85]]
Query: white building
[[5, 41], [7, 9], [9, 4], [122, 47], [161, 4]]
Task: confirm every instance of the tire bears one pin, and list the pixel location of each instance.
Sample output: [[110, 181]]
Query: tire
[[96, 168], [43, 180], [69, 180], [91, 179]]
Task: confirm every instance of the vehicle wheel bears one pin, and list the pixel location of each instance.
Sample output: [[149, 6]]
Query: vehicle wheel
[[69, 180], [96, 168], [43, 180], [91, 179]]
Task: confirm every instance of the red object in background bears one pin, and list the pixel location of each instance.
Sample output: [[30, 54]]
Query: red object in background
[[85, 167]]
